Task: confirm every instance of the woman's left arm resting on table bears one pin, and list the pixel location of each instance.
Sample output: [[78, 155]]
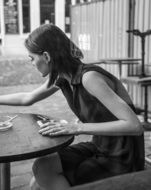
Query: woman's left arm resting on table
[[127, 123]]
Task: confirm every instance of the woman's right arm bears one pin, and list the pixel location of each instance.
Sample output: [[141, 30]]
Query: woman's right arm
[[28, 98]]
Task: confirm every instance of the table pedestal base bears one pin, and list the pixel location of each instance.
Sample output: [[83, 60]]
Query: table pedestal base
[[4, 176]]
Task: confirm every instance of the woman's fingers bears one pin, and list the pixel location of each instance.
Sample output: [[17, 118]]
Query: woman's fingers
[[45, 129], [49, 129], [53, 131], [47, 124], [56, 129], [57, 133]]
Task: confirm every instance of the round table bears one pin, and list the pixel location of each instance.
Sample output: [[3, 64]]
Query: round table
[[23, 141]]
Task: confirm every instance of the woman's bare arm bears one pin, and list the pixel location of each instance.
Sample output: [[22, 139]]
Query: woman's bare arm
[[127, 122], [28, 98]]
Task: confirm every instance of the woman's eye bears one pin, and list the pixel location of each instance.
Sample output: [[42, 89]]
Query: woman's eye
[[31, 59]]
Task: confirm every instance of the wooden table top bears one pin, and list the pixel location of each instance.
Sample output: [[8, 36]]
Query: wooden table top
[[23, 141]]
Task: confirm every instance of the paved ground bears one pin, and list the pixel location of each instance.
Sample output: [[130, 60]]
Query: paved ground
[[54, 106]]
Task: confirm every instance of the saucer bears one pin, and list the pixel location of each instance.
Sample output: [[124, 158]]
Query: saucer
[[5, 126]]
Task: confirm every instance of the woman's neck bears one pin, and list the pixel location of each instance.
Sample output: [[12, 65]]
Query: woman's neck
[[66, 76]]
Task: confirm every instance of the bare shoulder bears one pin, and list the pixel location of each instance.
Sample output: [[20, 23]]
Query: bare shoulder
[[91, 77]]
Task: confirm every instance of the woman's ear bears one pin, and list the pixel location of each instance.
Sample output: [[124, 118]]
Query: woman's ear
[[46, 56]]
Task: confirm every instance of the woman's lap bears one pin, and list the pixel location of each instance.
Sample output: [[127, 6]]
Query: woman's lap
[[81, 165]]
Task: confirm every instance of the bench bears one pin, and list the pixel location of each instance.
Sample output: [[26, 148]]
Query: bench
[[132, 181]]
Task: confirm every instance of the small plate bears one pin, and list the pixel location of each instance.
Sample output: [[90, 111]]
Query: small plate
[[5, 126]]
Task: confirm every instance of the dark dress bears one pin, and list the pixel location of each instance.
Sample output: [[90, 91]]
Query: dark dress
[[105, 156]]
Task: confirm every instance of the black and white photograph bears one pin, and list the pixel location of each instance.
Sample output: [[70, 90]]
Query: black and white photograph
[[75, 94]]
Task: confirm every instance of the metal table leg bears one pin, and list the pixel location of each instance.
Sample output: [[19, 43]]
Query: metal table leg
[[4, 176], [120, 69], [145, 104], [146, 124]]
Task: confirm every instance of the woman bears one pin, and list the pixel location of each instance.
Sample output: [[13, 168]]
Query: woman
[[100, 102]]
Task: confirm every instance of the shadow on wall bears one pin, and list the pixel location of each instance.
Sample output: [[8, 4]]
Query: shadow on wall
[[18, 71]]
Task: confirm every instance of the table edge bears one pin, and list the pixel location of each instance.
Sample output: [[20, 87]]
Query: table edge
[[31, 155]]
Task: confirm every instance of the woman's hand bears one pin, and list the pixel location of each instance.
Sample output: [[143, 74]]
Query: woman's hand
[[56, 129]]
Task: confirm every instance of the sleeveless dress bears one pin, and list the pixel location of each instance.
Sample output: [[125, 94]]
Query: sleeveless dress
[[104, 156]]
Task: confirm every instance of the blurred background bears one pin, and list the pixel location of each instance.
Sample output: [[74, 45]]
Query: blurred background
[[98, 27]]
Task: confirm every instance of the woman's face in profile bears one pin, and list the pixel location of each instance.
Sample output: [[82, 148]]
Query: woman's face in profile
[[40, 62]]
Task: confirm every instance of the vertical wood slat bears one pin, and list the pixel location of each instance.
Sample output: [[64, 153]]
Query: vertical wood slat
[[84, 30], [115, 28], [149, 48], [100, 23], [96, 20], [149, 39], [112, 33], [103, 31], [94, 31], [146, 27], [105, 28]]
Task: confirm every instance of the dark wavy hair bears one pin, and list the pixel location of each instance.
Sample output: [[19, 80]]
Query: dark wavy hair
[[65, 55]]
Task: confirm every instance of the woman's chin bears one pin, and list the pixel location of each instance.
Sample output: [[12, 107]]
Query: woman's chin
[[43, 75]]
